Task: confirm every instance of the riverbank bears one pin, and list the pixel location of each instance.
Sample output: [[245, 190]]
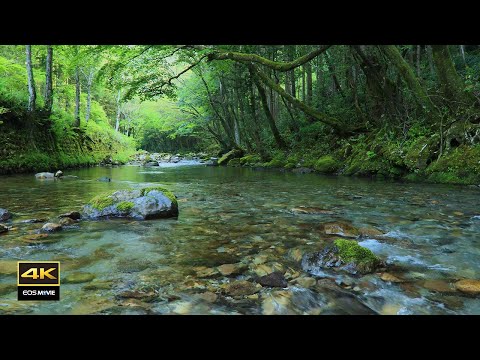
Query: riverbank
[[376, 156], [36, 146]]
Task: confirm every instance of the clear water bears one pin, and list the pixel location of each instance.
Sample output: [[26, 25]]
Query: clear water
[[232, 215]]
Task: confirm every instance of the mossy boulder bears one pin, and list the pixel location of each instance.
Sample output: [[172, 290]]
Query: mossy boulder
[[342, 255], [232, 154], [148, 203], [327, 165], [250, 160]]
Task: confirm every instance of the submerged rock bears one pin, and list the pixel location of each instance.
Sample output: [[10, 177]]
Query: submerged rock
[[311, 210], [212, 162], [104, 179], [438, 286], [67, 221], [275, 279], [8, 267], [51, 227], [144, 204], [231, 269], [74, 215], [208, 296], [33, 221], [344, 255], [7, 288], [240, 288], [45, 175], [78, 278], [468, 286], [3, 228], [390, 278], [5, 215], [341, 228]]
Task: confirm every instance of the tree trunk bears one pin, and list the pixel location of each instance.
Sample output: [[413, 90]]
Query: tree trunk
[[303, 83], [32, 95], [77, 98], [48, 81], [419, 48], [308, 70], [256, 132], [117, 119], [430, 58], [405, 70], [451, 83], [462, 51], [271, 121], [89, 78]]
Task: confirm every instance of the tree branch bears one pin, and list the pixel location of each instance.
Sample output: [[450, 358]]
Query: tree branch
[[275, 65]]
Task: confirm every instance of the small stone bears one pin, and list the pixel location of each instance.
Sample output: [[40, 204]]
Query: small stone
[[231, 269], [33, 221], [275, 279], [370, 232], [390, 309], [306, 282], [182, 308], [260, 259], [311, 210], [458, 213], [240, 288], [203, 271], [67, 221], [3, 228], [438, 286], [5, 215], [295, 254], [78, 277], [38, 239], [208, 296], [74, 215], [51, 227], [341, 228], [390, 278], [468, 286], [99, 285], [139, 295]]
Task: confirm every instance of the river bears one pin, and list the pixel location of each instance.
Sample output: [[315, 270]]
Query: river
[[239, 215]]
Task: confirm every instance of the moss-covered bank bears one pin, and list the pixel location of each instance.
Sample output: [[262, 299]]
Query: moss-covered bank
[[32, 145], [384, 155]]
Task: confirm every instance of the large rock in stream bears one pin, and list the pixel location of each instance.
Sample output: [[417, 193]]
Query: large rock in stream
[[143, 204], [342, 255]]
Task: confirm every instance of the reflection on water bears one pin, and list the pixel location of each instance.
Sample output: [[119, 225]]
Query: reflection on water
[[243, 217]]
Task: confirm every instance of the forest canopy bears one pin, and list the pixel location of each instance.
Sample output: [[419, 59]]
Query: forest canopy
[[286, 104]]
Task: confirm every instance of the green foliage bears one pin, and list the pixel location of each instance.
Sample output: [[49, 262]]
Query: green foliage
[[249, 160]]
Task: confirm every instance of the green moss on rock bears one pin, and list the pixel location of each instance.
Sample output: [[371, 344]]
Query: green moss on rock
[[250, 160], [166, 192], [125, 206], [327, 164], [350, 252], [234, 162], [102, 201]]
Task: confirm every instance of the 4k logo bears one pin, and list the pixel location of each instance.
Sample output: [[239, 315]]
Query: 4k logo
[[38, 280]]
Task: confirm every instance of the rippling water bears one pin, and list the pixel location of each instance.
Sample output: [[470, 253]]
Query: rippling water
[[235, 215]]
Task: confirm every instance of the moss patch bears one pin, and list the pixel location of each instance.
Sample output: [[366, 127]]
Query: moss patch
[[102, 201], [327, 164], [234, 162], [250, 160], [166, 192], [350, 252], [125, 206]]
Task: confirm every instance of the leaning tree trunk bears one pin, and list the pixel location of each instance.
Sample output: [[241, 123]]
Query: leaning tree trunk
[[48, 81], [89, 78], [408, 76], [32, 95], [451, 84], [77, 98], [271, 120]]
